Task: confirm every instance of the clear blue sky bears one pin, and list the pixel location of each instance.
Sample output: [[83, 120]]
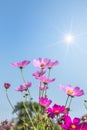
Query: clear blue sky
[[35, 28]]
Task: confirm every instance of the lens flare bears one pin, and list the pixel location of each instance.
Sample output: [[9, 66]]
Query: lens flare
[[69, 39]]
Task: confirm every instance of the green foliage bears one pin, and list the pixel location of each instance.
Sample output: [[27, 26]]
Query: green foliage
[[38, 116]]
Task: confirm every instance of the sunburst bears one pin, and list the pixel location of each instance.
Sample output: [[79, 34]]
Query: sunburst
[[69, 39]]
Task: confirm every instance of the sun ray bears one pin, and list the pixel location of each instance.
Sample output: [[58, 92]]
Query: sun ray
[[71, 39], [55, 44]]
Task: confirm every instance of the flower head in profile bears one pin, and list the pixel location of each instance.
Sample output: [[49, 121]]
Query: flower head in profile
[[56, 110], [70, 124], [24, 87], [7, 85], [43, 87], [41, 63], [20, 64], [45, 80], [39, 73], [44, 101], [69, 90], [52, 64]]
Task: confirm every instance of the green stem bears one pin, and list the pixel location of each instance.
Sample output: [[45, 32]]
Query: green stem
[[12, 105], [47, 84], [9, 100], [40, 90], [22, 76], [25, 82], [29, 94], [67, 100], [85, 104], [70, 102], [29, 115], [49, 73]]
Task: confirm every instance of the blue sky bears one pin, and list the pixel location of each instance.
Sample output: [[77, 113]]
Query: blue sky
[[32, 29]]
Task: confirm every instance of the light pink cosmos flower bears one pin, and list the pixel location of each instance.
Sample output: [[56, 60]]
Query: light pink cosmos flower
[[44, 101], [45, 80], [41, 63], [39, 73], [76, 91], [21, 64], [52, 64], [7, 85], [43, 87], [24, 87]]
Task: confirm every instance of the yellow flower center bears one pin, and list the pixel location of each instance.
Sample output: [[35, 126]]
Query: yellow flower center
[[70, 92], [42, 65], [56, 111], [73, 126]]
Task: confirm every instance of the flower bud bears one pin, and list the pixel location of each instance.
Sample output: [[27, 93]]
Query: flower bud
[[7, 85]]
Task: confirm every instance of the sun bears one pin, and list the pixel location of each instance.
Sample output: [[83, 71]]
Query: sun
[[69, 39]]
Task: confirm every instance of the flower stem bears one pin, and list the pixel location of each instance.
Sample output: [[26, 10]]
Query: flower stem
[[22, 76], [47, 84], [40, 90], [85, 104], [25, 82], [67, 100], [9, 100], [29, 115], [49, 73], [70, 102], [12, 105]]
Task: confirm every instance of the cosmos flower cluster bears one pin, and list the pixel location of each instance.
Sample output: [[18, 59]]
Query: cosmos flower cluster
[[57, 112]]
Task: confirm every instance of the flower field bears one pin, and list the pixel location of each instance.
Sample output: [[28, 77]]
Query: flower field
[[42, 115]]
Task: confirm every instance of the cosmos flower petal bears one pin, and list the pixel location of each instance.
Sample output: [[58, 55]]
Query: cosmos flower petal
[[20, 64], [76, 120], [76, 91]]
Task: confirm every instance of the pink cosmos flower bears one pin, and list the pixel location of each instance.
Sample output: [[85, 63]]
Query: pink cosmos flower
[[7, 85], [72, 91], [4, 125], [70, 124], [41, 63], [43, 87], [56, 110], [44, 101], [39, 74], [45, 80], [24, 86], [52, 64], [21, 64]]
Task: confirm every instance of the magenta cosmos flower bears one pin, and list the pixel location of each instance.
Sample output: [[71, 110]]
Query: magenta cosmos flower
[[82, 126], [21, 64], [7, 85], [72, 91], [44, 101], [24, 86], [39, 73], [56, 110], [52, 64], [45, 80], [41, 63], [70, 124]]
